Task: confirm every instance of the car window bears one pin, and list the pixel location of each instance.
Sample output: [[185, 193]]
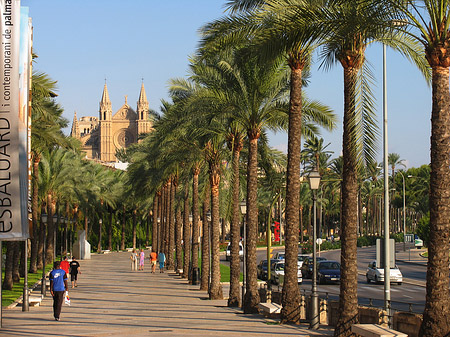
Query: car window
[[279, 266]]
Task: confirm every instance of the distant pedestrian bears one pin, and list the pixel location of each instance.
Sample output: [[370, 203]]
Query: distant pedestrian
[[58, 286], [65, 265], [141, 259], [153, 258], [162, 261], [75, 269], [133, 258]]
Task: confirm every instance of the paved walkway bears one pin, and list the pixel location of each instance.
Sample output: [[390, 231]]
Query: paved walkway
[[110, 300]]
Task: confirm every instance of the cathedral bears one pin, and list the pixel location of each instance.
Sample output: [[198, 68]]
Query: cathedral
[[101, 136]]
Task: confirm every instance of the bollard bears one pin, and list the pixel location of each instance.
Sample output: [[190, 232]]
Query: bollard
[[195, 276]]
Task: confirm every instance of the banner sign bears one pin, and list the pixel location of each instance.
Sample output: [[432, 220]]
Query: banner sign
[[13, 190], [276, 232]]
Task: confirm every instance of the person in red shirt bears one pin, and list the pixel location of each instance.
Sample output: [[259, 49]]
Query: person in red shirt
[[65, 265]]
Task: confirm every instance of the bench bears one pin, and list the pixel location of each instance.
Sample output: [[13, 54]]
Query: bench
[[106, 251], [269, 309], [34, 301], [374, 330]]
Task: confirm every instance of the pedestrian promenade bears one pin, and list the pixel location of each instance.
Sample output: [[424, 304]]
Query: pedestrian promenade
[[111, 300]]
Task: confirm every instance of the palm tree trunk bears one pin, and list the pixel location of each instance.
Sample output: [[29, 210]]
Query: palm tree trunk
[[16, 262], [348, 296], [178, 239], [205, 241], [215, 292], [155, 224], [8, 278], [235, 265], [171, 226], [195, 216], [50, 230], [186, 232], [110, 229], [35, 214], [251, 298], [134, 228], [436, 316], [160, 222], [291, 295], [122, 241]]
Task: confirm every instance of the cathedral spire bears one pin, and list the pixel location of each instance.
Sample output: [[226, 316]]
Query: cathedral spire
[[142, 104], [105, 105], [75, 132]]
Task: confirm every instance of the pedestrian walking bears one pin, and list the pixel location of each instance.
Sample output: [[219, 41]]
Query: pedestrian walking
[[74, 270], [162, 260], [58, 286], [65, 265], [141, 260], [133, 258], [153, 258]]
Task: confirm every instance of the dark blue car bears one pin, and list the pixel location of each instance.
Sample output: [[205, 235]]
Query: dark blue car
[[328, 271]]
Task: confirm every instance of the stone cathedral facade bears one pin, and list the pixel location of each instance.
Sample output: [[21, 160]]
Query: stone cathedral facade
[[101, 136]]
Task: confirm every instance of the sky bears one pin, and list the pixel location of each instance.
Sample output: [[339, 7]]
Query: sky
[[81, 44]]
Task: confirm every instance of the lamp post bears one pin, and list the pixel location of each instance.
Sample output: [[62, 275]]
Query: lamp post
[[404, 213], [387, 257], [314, 182], [208, 218], [243, 207], [44, 222], [99, 246]]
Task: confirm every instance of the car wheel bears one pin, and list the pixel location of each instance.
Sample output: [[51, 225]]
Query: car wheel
[[367, 278]]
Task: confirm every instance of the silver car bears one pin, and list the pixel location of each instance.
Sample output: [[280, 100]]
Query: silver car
[[277, 273], [377, 274]]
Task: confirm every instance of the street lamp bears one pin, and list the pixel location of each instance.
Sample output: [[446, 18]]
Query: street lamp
[[404, 213], [314, 182], [243, 207], [99, 246], [44, 222]]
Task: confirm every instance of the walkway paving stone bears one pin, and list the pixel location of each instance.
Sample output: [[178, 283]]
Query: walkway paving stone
[[111, 300]]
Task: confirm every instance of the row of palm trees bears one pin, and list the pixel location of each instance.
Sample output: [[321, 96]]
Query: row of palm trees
[[342, 30], [270, 35]]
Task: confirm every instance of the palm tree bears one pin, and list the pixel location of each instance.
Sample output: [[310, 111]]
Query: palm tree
[[428, 22], [46, 125], [296, 48]]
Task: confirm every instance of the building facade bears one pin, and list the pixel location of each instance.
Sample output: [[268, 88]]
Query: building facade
[[101, 136]]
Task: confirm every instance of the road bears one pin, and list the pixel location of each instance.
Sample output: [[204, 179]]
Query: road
[[408, 296]]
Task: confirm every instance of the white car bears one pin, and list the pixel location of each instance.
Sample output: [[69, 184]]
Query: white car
[[228, 251], [277, 273], [377, 274], [300, 258]]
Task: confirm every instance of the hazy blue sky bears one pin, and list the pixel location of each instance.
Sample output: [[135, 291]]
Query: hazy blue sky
[[80, 43]]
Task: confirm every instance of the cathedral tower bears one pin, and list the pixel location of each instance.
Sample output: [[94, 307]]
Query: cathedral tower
[[106, 148], [75, 132], [143, 122]]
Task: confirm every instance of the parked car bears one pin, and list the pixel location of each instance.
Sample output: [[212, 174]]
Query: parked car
[[328, 271], [307, 265], [301, 258], [228, 251], [279, 255], [261, 269], [277, 273], [377, 274]]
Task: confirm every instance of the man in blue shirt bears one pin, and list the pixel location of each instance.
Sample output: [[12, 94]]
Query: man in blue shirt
[[58, 285]]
